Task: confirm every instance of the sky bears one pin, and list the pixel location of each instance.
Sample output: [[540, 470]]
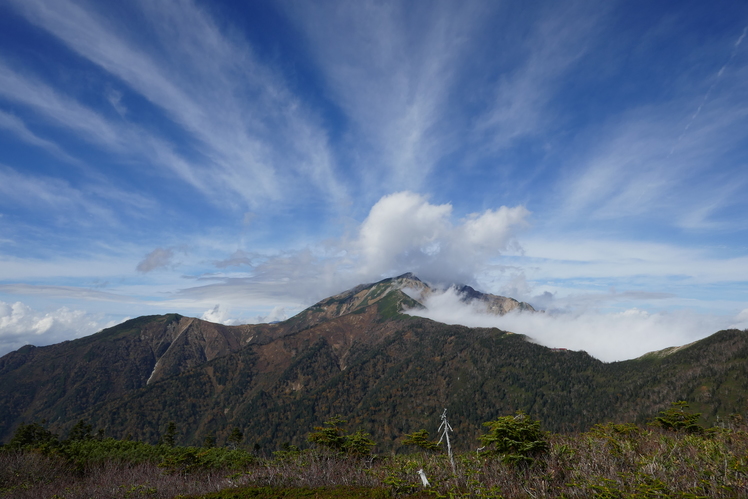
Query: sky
[[239, 161]]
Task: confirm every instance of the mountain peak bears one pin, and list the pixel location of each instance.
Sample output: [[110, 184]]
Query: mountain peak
[[386, 294], [497, 305], [407, 275], [411, 292]]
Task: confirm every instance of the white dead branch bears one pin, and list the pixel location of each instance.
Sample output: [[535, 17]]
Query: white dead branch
[[445, 428]]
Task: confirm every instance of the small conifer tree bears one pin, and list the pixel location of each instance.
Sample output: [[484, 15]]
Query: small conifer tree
[[169, 436], [358, 444], [209, 441], [33, 435], [332, 436], [421, 439], [235, 437], [678, 418], [515, 439], [81, 431]]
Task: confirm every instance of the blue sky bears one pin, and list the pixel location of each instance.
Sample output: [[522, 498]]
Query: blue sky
[[238, 161]]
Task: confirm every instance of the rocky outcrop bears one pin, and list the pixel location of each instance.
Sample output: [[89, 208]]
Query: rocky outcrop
[[494, 304]]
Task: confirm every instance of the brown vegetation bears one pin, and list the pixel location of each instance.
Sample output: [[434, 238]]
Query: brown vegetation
[[612, 460]]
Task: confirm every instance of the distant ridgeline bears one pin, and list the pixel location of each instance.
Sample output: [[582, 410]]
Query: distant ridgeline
[[357, 355]]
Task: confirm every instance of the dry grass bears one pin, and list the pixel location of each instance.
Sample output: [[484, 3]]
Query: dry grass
[[604, 463], [34, 476]]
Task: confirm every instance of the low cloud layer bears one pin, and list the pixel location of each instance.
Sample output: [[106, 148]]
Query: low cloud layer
[[21, 325], [607, 336]]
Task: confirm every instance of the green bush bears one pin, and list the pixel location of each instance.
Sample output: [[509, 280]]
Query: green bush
[[81, 431], [235, 438], [331, 436], [184, 460], [677, 418], [421, 439], [515, 439], [33, 435], [90, 452], [358, 444], [122, 451]]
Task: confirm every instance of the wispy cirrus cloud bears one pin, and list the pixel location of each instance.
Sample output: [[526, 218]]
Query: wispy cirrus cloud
[[69, 292], [404, 79], [124, 139], [54, 193], [97, 202], [522, 97], [583, 257], [393, 73], [633, 172], [667, 161], [16, 126], [248, 124], [20, 87]]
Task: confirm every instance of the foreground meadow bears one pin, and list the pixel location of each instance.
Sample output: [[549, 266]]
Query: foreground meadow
[[516, 461]]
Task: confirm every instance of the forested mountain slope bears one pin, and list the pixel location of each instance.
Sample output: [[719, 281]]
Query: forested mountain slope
[[356, 355]]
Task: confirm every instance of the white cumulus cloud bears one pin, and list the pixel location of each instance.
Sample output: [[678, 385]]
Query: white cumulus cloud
[[741, 320], [404, 232], [218, 315], [277, 314], [21, 325]]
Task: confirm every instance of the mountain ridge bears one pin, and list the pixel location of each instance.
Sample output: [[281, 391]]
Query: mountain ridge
[[355, 354]]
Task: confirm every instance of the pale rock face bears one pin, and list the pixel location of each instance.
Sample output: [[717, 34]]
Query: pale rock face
[[498, 305]]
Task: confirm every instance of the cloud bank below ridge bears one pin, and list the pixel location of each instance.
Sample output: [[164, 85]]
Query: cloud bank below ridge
[[611, 336]]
